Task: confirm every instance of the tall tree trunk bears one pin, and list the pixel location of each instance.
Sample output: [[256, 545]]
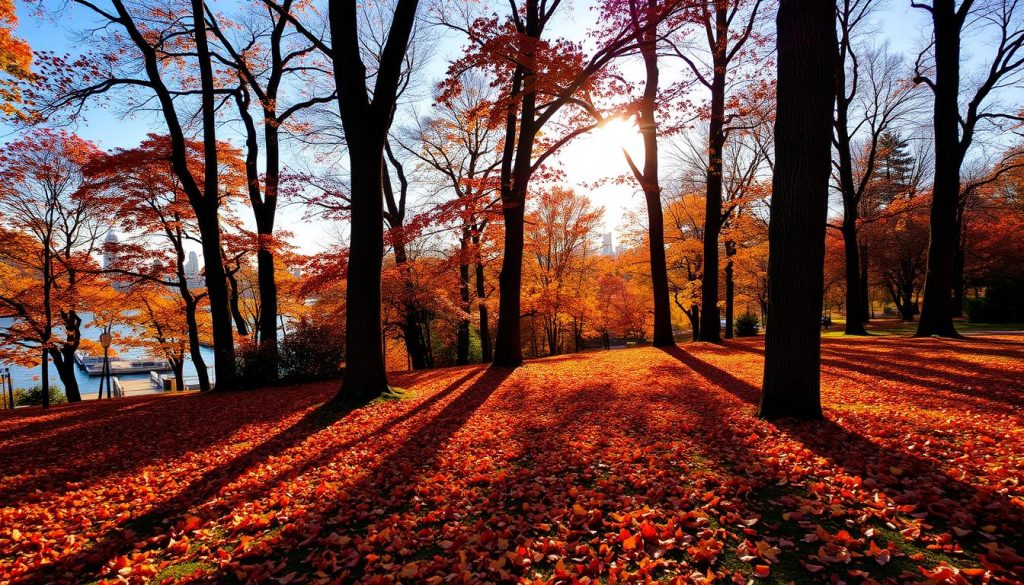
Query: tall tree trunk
[[730, 288], [207, 215], [195, 346], [365, 122], [236, 313], [649, 183], [462, 336], [365, 377], [710, 325], [803, 136], [937, 307], [65, 357], [481, 293], [515, 175], [266, 275], [507, 347], [865, 296], [855, 316]]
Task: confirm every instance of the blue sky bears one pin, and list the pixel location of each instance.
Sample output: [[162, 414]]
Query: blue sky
[[587, 160]]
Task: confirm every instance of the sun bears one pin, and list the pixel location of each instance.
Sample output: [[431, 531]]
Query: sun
[[599, 155]]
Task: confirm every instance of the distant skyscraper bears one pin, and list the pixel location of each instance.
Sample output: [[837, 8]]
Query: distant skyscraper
[[192, 265], [607, 244]]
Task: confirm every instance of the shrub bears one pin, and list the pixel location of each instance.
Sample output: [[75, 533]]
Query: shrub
[[34, 396], [747, 325], [1003, 303], [313, 351]]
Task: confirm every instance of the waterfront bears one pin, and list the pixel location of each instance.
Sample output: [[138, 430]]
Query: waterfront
[[89, 385]]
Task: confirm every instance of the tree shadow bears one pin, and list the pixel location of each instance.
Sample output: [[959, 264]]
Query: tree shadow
[[212, 483], [907, 478]]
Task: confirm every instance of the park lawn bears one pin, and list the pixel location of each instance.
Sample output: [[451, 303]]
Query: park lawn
[[620, 466], [891, 326]]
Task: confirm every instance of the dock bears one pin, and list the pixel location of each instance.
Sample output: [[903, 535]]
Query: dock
[[94, 365]]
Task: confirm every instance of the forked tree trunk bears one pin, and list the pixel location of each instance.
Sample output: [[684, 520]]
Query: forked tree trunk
[[803, 142], [365, 122]]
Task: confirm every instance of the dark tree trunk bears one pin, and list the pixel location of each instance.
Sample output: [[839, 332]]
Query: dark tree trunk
[[649, 183], [507, 348], [220, 304], [365, 377], [937, 307], [865, 297], [710, 325], [481, 293], [803, 135], [265, 270], [366, 123], [207, 215], [462, 336], [178, 367], [236, 312], [855, 316], [64, 358], [515, 175], [730, 292], [194, 346], [64, 363]]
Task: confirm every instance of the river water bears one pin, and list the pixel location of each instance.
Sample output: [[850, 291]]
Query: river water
[[89, 385]]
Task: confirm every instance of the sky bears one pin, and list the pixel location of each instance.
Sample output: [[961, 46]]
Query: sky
[[588, 160]]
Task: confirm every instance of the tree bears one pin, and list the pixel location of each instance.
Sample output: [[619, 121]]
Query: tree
[[955, 128], [899, 240], [269, 59], [796, 233], [366, 119], [544, 78], [559, 245], [461, 144], [141, 53], [642, 19], [725, 44], [15, 61], [140, 188], [870, 100], [53, 234]]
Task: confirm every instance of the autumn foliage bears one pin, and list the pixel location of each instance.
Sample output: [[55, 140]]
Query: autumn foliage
[[626, 466]]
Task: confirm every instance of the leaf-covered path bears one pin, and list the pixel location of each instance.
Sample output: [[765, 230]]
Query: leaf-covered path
[[620, 466]]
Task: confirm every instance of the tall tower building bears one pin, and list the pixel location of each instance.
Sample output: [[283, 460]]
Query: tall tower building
[[607, 245], [192, 265], [110, 249]]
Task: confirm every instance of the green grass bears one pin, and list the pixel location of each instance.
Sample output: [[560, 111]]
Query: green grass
[[894, 327]]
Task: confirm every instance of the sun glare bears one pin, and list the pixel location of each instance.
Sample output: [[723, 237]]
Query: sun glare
[[599, 154]]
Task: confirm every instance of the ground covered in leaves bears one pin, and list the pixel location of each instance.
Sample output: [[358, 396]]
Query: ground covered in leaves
[[621, 466]]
